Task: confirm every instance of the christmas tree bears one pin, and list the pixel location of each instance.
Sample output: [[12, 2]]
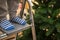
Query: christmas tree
[[47, 19]]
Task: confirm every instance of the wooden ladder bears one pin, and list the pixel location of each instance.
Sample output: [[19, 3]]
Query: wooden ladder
[[4, 35]]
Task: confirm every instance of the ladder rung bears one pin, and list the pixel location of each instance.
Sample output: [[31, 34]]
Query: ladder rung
[[18, 28], [3, 36]]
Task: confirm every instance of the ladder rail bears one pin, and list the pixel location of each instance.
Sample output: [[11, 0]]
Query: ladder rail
[[32, 20], [31, 17]]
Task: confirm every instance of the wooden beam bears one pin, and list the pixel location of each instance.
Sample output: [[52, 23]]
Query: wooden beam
[[32, 20]]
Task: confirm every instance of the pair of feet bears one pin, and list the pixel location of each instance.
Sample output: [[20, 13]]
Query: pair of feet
[[7, 25]]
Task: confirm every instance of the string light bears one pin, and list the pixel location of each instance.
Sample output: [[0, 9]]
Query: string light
[[42, 1], [49, 17], [46, 29], [53, 34], [59, 14]]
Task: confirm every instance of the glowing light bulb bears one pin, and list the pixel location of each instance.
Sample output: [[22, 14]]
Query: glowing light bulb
[[49, 17]]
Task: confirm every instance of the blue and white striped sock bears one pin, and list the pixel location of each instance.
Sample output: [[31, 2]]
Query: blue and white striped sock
[[19, 20], [6, 25]]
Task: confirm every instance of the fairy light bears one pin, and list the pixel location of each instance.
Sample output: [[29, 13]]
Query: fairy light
[[59, 14], [42, 1], [48, 16], [46, 29], [52, 5], [43, 28], [53, 34]]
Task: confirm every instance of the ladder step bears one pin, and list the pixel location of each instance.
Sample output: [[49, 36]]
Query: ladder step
[[18, 28], [2, 36]]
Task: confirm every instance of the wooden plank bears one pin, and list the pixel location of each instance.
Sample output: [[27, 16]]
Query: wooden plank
[[9, 37], [18, 28], [12, 36], [1, 32]]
